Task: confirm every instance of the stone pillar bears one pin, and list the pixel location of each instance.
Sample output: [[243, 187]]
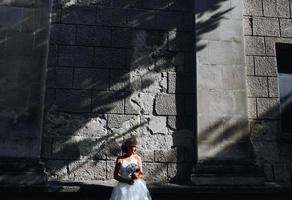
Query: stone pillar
[[224, 150], [23, 56]]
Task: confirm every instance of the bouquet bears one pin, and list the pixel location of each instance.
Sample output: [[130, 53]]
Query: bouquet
[[132, 168]]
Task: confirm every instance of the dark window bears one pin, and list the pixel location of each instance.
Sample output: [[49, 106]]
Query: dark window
[[284, 62]]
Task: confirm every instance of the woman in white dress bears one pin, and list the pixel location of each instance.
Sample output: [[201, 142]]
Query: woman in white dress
[[129, 172]]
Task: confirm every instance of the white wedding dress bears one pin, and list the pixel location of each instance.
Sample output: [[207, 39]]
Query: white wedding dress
[[124, 191]]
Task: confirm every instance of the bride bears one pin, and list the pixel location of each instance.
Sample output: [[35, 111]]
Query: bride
[[129, 172]]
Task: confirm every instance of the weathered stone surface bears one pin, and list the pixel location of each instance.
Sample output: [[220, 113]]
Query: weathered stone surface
[[147, 141], [57, 169], [257, 86], [87, 170], [139, 103], [286, 30], [253, 7], [154, 82], [155, 171], [165, 155], [157, 125], [166, 104], [109, 58], [276, 8], [63, 77], [265, 66], [266, 26], [281, 172], [78, 14], [110, 166], [93, 36], [264, 130], [73, 100], [273, 87], [249, 62], [108, 102], [75, 56], [141, 19], [122, 37], [62, 34], [254, 45], [119, 80], [146, 155], [268, 108], [97, 79], [116, 121]]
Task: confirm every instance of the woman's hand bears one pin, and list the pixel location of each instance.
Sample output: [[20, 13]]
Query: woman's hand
[[135, 176], [130, 182]]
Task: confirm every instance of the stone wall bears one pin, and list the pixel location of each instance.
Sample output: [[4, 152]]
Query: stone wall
[[120, 68], [266, 23]]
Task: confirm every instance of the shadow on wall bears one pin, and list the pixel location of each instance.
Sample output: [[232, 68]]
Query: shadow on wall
[[136, 78]]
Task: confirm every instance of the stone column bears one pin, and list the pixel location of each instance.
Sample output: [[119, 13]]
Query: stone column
[[23, 55], [224, 150]]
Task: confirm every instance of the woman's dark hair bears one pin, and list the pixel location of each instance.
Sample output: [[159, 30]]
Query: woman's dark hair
[[128, 143]]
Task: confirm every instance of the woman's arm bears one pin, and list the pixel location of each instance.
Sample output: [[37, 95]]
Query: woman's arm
[[117, 175]]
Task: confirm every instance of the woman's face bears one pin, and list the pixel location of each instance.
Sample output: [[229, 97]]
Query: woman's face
[[133, 149]]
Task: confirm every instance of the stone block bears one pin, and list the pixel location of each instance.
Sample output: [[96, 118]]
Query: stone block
[[145, 19], [252, 108], [97, 79], [79, 15], [63, 77], [157, 125], [119, 80], [146, 155], [169, 20], [286, 30], [140, 103], [50, 77], [110, 58], [169, 61], [266, 26], [53, 55], [249, 63], [156, 40], [268, 108], [253, 7], [116, 121], [254, 45], [62, 34], [93, 36], [265, 66], [64, 124], [66, 148], [273, 87], [257, 86], [276, 8], [73, 100], [110, 166], [165, 155], [271, 44], [166, 104], [75, 56], [155, 171], [108, 102], [87, 170], [122, 37]]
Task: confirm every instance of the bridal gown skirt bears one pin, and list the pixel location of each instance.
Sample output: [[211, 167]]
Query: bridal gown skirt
[[137, 191]]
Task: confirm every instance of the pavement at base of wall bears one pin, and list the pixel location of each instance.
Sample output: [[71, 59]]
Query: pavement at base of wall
[[99, 190]]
